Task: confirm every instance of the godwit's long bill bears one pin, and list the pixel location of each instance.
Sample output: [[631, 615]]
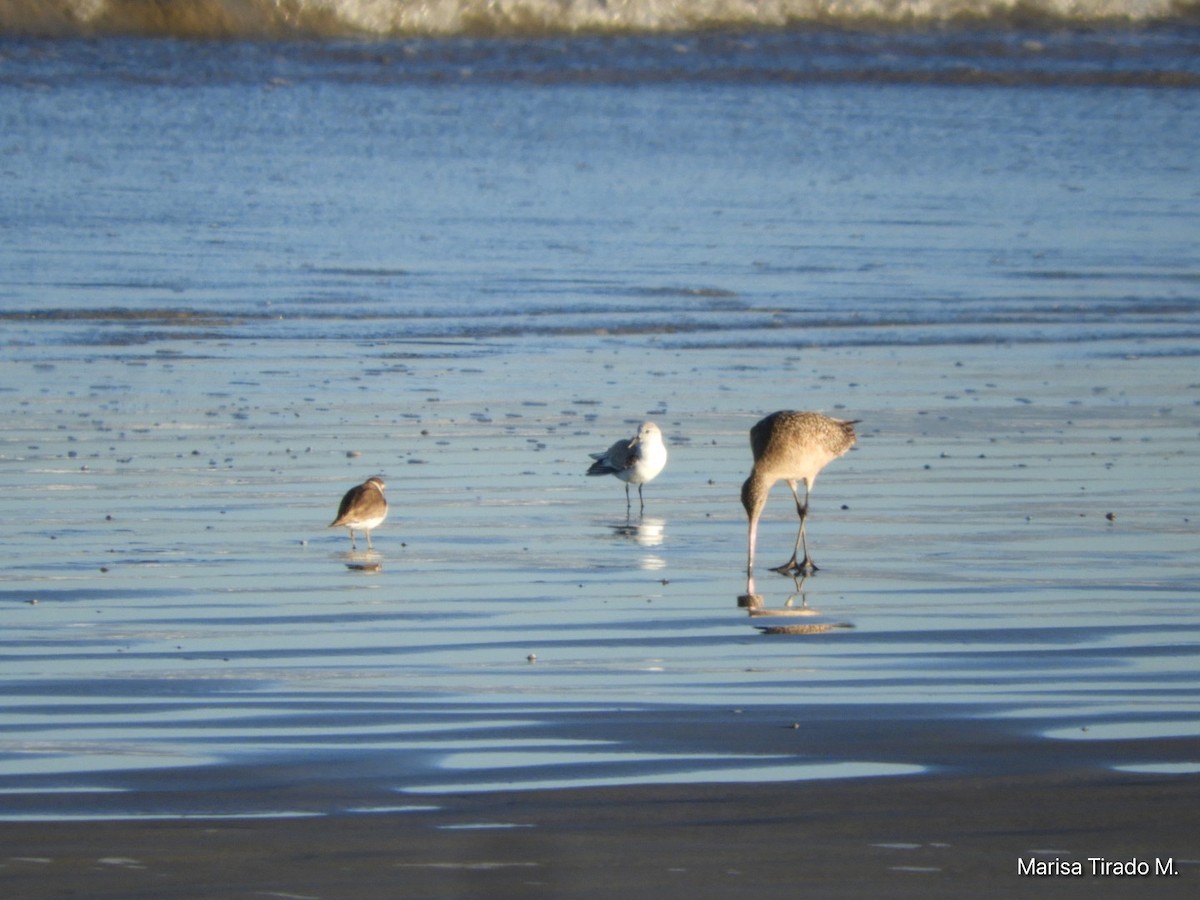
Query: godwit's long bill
[[793, 447], [635, 461], [364, 507]]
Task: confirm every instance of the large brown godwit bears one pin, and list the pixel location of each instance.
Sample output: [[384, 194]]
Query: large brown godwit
[[364, 508], [792, 446], [635, 461]]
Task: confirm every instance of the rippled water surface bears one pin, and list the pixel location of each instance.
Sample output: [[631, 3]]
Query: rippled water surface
[[226, 301]]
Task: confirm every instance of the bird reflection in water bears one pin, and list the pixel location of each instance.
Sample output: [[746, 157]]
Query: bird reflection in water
[[793, 616], [645, 532]]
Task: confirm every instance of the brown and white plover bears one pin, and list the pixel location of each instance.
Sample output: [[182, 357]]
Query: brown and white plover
[[364, 507]]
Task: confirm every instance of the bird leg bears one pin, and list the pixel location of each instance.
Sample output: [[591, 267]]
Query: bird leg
[[369, 547], [641, 501], [353, 546], [803, 566], [750, 542], [796, 565]]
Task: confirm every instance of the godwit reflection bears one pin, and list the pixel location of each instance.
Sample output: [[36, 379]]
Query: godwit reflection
[[792, 616]]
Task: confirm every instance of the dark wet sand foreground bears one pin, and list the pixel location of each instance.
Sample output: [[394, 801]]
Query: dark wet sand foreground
[[926, 836]]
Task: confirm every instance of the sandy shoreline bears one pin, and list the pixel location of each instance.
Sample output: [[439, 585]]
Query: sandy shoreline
[[926, 836]]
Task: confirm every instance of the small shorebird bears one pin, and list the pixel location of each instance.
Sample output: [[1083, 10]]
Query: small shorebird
[[634, 461], [791, 446], [364, 508]]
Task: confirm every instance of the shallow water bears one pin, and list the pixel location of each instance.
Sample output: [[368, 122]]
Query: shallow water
[[227, 302]]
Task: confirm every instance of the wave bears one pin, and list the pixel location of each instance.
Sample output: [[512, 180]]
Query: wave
[[289, 19]]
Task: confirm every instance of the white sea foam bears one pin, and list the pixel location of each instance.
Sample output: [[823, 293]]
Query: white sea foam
[[389, 18]]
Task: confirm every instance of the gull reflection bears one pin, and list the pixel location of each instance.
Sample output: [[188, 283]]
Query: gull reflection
[[648, 532], [645, 532], [792, 616]]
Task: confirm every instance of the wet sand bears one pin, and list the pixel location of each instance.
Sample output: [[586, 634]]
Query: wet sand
[[183, 633], [927, 836]]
